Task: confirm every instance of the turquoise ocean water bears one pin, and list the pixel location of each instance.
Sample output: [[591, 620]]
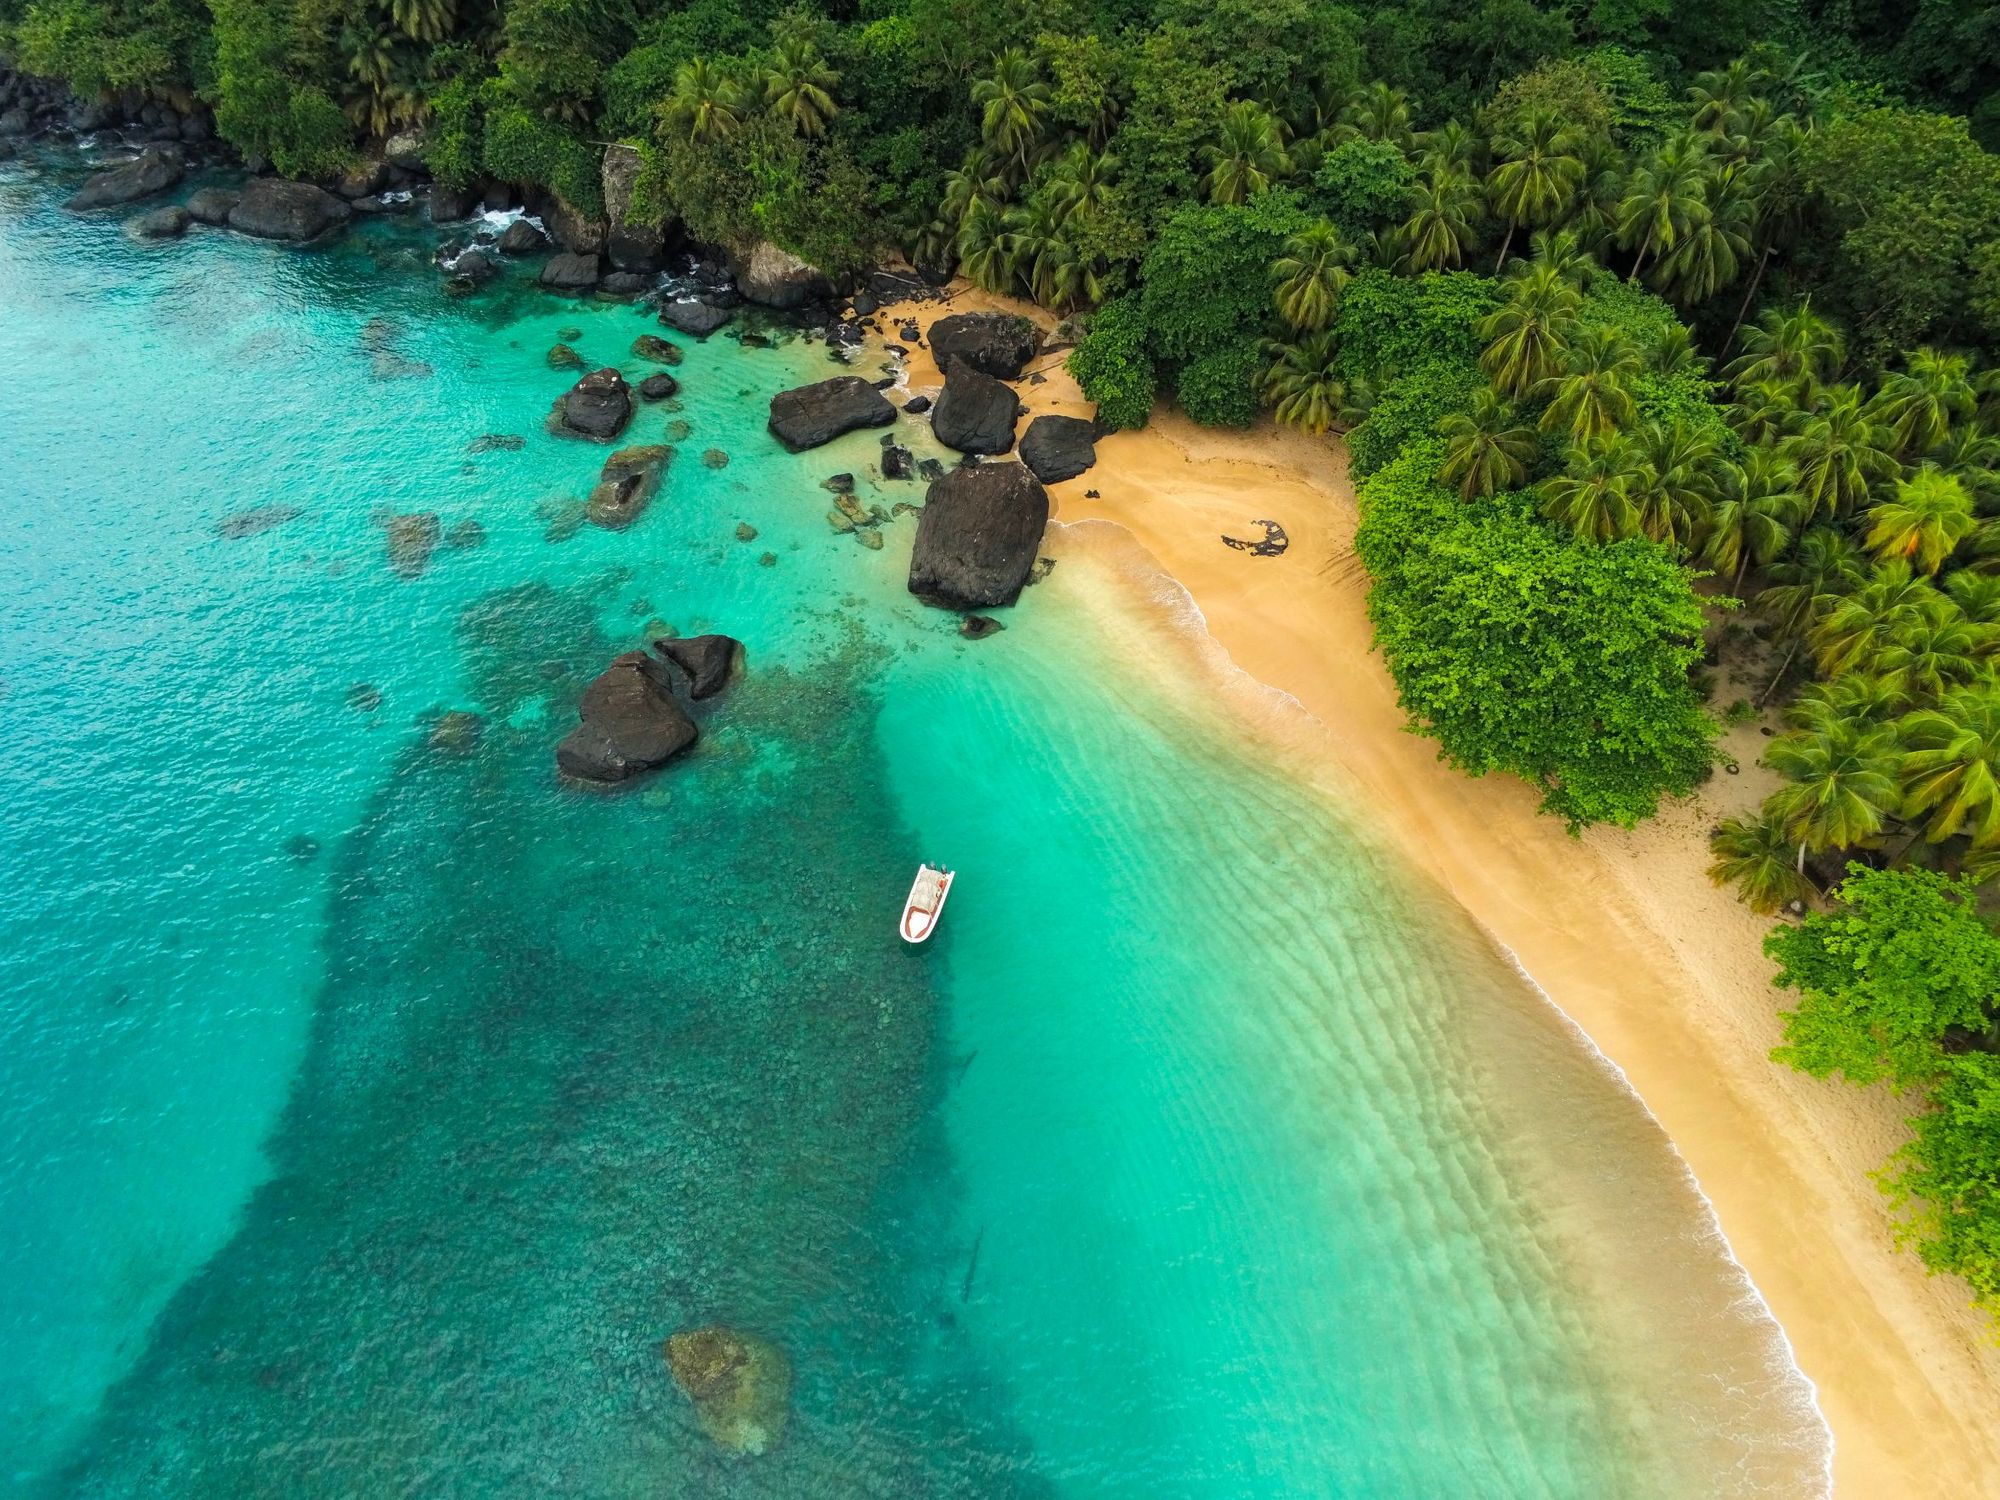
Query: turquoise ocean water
[[370, 1112]]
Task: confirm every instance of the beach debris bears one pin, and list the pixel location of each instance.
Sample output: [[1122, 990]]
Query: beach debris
[[1275, 541], [257, 518], [740, 1384], [971, 1266], [629, 723]]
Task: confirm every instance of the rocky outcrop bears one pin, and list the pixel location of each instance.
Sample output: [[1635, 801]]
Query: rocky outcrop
[[473, 265], [740, 1384], [695, 318], [993, 343], [168, 223], [629, 723], [273, 209], [522, 238], [975, 413], [630, 478], [628, 244], [709, 660], [152, 172], [597, 406], [819, 413], [1059, 448], [623, 283], [772, 277], [406, 150], [898, 462], [362, 180], [448, 205], [212, 205], [569, 272], [977, 537]]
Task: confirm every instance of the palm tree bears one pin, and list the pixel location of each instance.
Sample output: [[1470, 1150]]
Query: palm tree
[[1838, 455], [1753, 519], [1080, 182], [982, 246], [1972, 454], [1302, 383], [1443, 222], [1250, 156], [1452, 144], [1766, 412], [1719, 97], [799, 87], [1012, 100], [1660, 196], [1929, 516], [1593, 498], [1843, 786], [1851, 698], [1854, 630], [1796, 348], [1536, 173], [1757, 857], [1682, 474], [1951, 766], [1310, 276], [1528, 332], [1595, 221], [1782, 200], [1709, 253], [1919, 406], [424, 20], [1037, 251], [1589, 399], [1932, 652], [1377, 113], [706, 104], [1486, 450], [1561, 250], [1823, 570]]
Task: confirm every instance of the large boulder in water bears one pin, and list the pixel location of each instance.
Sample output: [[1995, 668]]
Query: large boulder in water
[[975, 413], [628, 244], [772, 277], [708, 660], [1059, 448], [212, 205], [819, 413], [522, 237], [993, 343], [273, 209], [695, 317], [168, 223], [630, 478], [597, 406], [740, 1384], [570, 272], [152, 172], [629, 723], [977, 538]]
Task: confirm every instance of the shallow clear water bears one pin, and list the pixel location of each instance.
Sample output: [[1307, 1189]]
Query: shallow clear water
[[369, 1113]]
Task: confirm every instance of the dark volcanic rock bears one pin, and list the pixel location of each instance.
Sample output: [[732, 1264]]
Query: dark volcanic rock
[[697, 319], [631, 244], [630, 478], [814, 414], [916, 406], [993, 343], [153, 172], [273, 209], [1059, 448], [212, 205], [776, 278], [522, 238], [474, 264], [977, 537], [978, 627], [975, 413], [630, 723], [569, 272], [168, 223], [597, 406], [658, 387], [562, 357], [448, 205], [623, 284], [898, 462], [708, 660]]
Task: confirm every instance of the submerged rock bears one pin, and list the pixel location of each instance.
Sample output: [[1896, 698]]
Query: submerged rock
[[975, 413], [597, 406], [898, 462], [740, 1384], [658, 387], [152, 172], [1059, 448], [978, 627], [465, 535], [212, 205], [819, 413], [745, 532], [650, 346], [714, 458], [497, 442], [629, 480], [630, 723], [709, 661], [562, 357], [168, 223], [364, 697], [274, 209], [456, 732], [570, 272], [412, 538], [993, 343], [258, 518], [977, 536]]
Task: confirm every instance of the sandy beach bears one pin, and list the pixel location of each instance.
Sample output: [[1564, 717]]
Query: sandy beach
[[1623, 931]]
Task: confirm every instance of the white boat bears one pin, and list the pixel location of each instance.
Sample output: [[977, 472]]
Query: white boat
[[927, 893]]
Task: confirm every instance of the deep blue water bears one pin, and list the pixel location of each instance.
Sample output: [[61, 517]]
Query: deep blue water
[[370, 1112]]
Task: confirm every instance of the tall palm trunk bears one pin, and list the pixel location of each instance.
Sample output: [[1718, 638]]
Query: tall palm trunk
[[1512, 224], [1783, 667], [1645, 247], [1748, 297]]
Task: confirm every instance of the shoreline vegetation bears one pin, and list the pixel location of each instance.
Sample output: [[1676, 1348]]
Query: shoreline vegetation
[[1661, 350]]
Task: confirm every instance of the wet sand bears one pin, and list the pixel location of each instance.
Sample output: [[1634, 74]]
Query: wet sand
[[1623, 931]]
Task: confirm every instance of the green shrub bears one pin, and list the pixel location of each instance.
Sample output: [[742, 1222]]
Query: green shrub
[[521, 147], [1113, 367], [1220, 388], [1409, 407]]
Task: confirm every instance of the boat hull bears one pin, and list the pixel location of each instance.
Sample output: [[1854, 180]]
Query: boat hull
[[924, 904]]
